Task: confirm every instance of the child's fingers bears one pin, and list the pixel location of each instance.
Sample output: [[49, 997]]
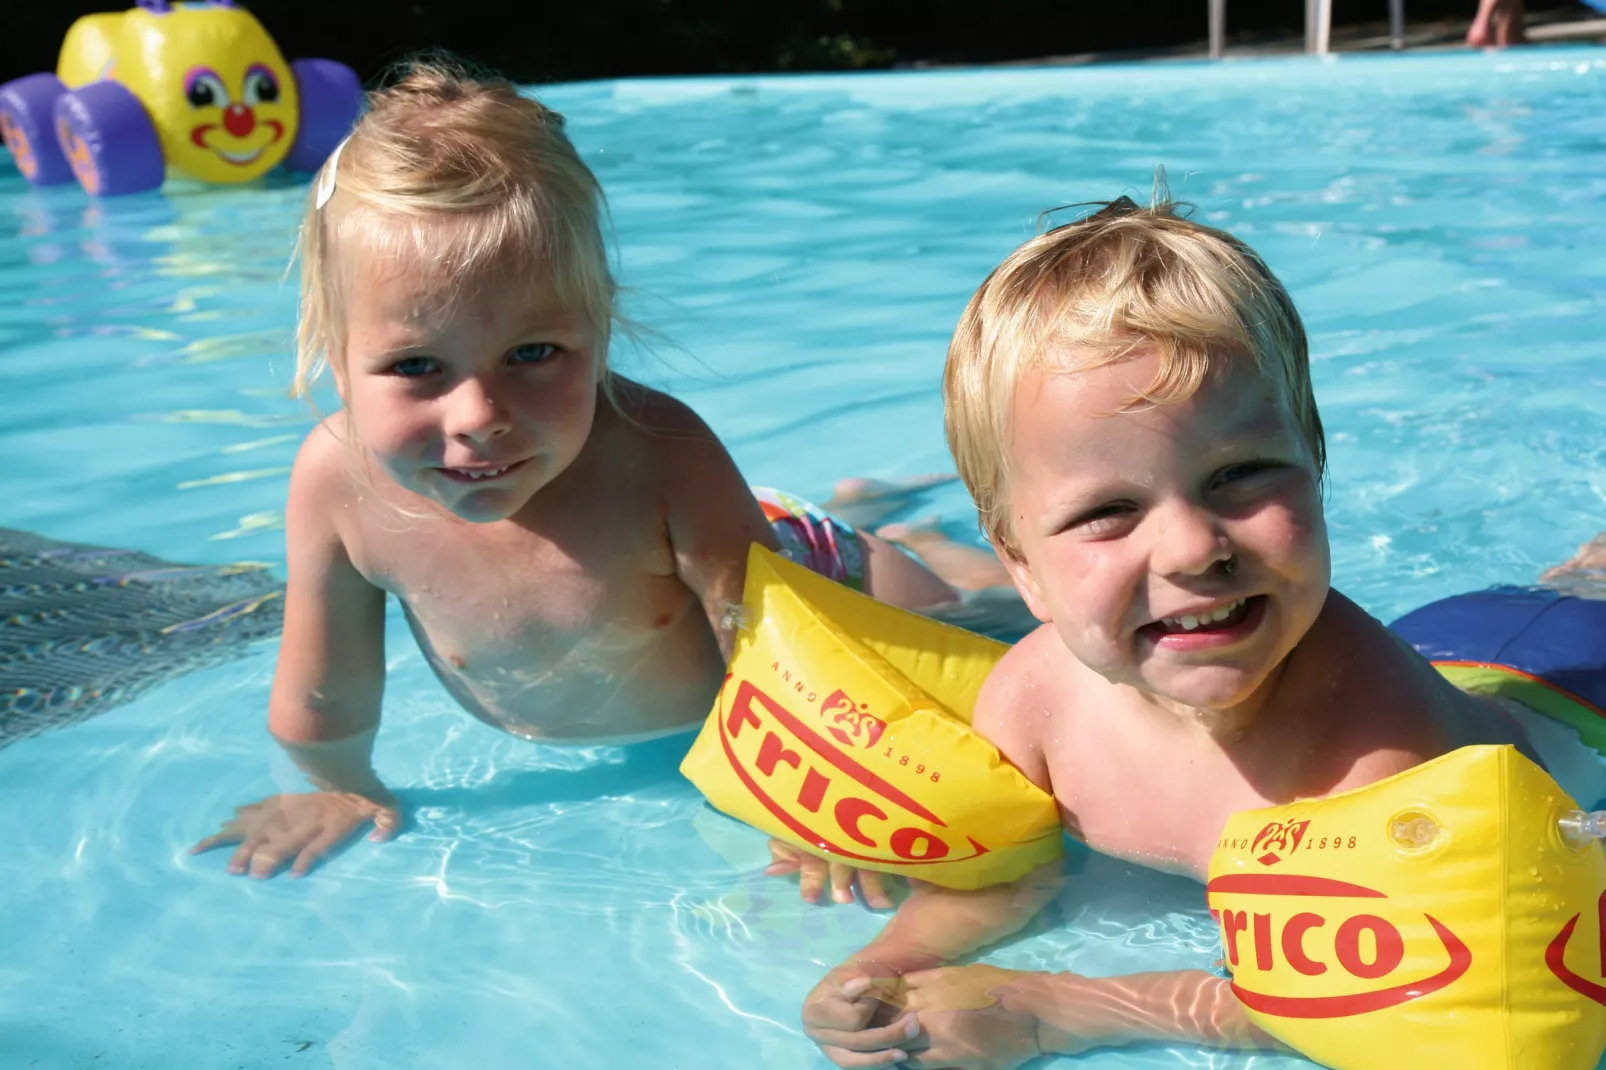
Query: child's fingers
[[784, 859], [387, 823], [874, 887], [240, 860], [841, 882], [313, 852], [217, 839], [869, 1041], [812, 874], [268, 860], [852, 1060]]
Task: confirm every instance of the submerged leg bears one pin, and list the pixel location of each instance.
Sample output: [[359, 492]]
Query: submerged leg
[[966, 568], [982, 597], [1582, 575], [864, 503]]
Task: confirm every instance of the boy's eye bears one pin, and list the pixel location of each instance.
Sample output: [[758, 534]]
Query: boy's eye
[[1103, 520], [413, 367], [1235, 472], [532, 353]]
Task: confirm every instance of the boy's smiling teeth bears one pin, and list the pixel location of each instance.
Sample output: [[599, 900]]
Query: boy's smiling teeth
[[1189, 621], [479, 473]]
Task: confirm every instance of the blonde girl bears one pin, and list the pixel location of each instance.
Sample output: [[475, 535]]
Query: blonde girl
[[563, 542]]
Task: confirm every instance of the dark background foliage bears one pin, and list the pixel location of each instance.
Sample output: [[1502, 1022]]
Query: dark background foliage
[[543, 40]]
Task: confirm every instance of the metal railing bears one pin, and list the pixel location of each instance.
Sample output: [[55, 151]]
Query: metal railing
[[1318, 25]]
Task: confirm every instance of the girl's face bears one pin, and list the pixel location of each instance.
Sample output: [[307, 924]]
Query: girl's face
[[474, 394]]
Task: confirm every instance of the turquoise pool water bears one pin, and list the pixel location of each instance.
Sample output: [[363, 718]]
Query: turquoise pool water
[[807, 244]]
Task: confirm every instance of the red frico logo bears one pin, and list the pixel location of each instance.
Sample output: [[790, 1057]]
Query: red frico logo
[[849, 724], [1313, 943], [823, 796], [1556, 957], [1280, 838]]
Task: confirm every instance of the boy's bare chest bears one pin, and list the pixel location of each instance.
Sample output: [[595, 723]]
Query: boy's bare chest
[[1159, 812]]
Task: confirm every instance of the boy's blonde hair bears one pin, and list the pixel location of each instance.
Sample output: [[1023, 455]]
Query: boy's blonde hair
[[1121, 278], [455, 173]]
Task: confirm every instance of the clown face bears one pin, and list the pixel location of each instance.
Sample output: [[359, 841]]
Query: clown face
[[222, 97]]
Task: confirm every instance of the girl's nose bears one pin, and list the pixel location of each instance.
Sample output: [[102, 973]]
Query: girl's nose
[[474, 415]]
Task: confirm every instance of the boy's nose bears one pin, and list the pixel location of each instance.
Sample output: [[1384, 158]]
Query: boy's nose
[[474, 415], [1190, 542]]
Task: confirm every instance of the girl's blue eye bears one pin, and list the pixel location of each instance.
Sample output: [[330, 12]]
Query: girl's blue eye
[[413, 367], [532, 353]]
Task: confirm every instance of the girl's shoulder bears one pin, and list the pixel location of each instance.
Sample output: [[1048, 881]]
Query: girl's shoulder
[[324, 460], [657, 429], [321, 480]]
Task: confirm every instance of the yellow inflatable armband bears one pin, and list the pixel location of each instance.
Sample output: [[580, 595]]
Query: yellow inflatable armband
[[1443, 917], [844, 728]]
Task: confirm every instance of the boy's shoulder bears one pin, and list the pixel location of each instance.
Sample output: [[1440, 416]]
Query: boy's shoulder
[[1366, 705], [1031, 691]]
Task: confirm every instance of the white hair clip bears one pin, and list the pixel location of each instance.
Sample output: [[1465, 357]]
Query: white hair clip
[[326, 180]]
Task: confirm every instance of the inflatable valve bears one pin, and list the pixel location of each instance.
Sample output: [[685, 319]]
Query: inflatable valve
[[1579, 829]]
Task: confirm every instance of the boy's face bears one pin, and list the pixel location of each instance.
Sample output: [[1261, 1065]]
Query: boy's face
[[1177, 548], [472, 393]]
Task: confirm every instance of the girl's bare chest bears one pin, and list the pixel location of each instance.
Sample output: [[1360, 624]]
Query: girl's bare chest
[[519, 586]]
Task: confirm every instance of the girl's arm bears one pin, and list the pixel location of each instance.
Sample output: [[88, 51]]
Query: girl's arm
[[330, 677], [324, 708], [713, 519], [711, 514]]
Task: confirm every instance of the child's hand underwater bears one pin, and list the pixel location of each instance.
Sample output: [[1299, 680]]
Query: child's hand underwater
[[303, 828], [813, 873]]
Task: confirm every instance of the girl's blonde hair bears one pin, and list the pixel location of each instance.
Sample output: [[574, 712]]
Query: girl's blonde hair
[[455, 173], [1122, 278]]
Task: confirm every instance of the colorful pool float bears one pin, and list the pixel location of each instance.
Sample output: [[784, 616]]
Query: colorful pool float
[[196, 88], [843, 728]]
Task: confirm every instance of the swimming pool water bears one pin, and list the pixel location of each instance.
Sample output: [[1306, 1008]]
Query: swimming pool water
[[806, 244]]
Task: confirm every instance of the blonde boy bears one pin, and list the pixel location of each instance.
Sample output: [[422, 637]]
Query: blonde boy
[[1129, 401]]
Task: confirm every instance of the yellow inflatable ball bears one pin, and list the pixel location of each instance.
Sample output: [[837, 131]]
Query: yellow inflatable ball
[[196, 89], [843, 728], [1448, 916]]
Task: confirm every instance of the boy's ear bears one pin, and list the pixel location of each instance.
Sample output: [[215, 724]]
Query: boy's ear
[[1026, 583]]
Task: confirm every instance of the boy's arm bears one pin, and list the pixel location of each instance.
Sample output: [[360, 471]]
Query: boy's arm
[[1076, 1013], [980, 1015], [937, 925], [324, 707]]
